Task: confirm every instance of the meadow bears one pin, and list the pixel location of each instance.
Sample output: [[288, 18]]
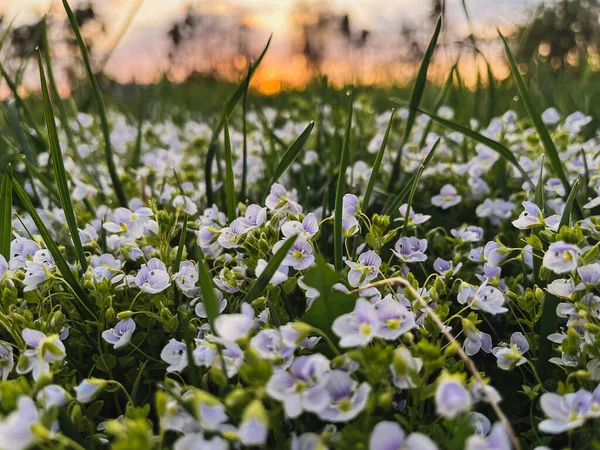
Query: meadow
[[197, 266]]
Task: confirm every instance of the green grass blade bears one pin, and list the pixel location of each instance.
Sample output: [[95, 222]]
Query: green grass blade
[[6, 213], [245, 137], [59, 169], [60, 261], [181, 244], [398, 199], [535, 117], [415, 97], [112, 168], [490, 143], [231, 105], [339, 194], [539, 189], [261, 283], [290, 156], [205, 282], [230, 196], [377, 164], [565, 219], [586, 175]]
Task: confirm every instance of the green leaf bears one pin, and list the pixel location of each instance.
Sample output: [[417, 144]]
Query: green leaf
[[60, 261], [535, 117], [181, 244], [339, 194], [490, 143], [59, 170], [205, 282], [231, 105], [331, 303], [229, 183], [377, 164], [396, 202], [6, 213], [565, 220], [539, 189], [415, 97], [290, 156], [112, 168], [259, 286]]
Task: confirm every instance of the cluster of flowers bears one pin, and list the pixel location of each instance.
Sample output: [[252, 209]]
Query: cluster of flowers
[[373, 353]]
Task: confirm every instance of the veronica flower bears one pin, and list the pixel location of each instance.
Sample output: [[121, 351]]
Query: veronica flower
[[510, 357], [200, 309], [307, 228], [494, 253], [359, 327], [7, 361], [564, 413], [197, 441], [447, 197], [120, 335], [410, 249], [279, 199], [153, 277], [451, 397], [496, 440], [590, 275], [347, 398], [365, 270], [254, 426], [415, 218], [187, 278], [395, 319], [495, 210], [185, 203], [89, 389], [15, 428], [350, 206], [550, 116], [564, 288], [280, 275], [175, 354], [233, 357], [105, 266], [391, 436], [127, 221], [230, 280], [485, 298], [480, 423], [300, 256], [405, 367], [530, 218], [233, 327], [307, 441], [303, 387], [228, 236], [468, 234], [476, 340], [20, 249], [561, 257], [443, 267], [270, 345], [88, 236], [45, 350]]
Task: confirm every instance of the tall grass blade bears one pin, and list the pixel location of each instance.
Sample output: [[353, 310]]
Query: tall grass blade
[[396, 202], [6, 213], [206, 288], [181, 244], [539, 189], [535, 117], [112, 168], [261, 283], [245, 137], [377, 164], [59, 170], [231, 105], [339, 194], [230, 195], [415, 97], [290, 156], [490, 143], [565, 219]]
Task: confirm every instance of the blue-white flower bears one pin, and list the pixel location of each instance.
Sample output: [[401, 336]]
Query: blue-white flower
[[447, 197], [365, 270], [303, 387], [468, 234], [444, 267], [485, 298], [561, 257], [496, 440], [254, 427], [279, 199], [512, 356], [307, 441], [153, 277], [20, 249], [120, 335], [307, 228], [476, 340], [186, 279], [88, 389], [410, 249], [126, 221], [390, 436], [415, 218], [564, 413], [530, 218], [395, 319], [359, 327], [494, 254], [15, 428], [7, 360], [269, 344], [200, 309], [300, 256], [405, 368], [562, 287], [45, 350], [197, 441], [233, 327], [254, 217], [280, 275], [451, 397], [228, 236], [52, 395], [347, 398], [590, 275], [106, 266], [174, 354]]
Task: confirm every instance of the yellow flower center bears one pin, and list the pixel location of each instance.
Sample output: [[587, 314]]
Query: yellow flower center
[[393, 324], [365, 329]]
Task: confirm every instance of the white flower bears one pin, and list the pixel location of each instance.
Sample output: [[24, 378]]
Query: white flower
[[174, 354], [447, 197], [561, 257], [15, 428], [120, 335], [88, 389], [451, 398], [280, 275]]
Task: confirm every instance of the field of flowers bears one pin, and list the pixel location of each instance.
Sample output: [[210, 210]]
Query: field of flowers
[[374, 279]]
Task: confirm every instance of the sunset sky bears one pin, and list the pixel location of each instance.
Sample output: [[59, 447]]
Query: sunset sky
[[142, 51]]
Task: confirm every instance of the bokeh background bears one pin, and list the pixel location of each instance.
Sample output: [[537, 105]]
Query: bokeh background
[[348, 41]]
